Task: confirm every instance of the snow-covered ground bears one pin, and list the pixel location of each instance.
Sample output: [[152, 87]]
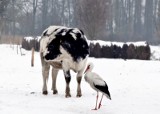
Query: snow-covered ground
[[134, 86]]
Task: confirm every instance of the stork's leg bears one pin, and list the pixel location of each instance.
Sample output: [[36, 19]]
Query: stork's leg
[[100, 102], [96, 102], [54, 77]]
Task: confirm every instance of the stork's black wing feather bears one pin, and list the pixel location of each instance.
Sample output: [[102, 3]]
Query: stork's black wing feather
[[103, 88]]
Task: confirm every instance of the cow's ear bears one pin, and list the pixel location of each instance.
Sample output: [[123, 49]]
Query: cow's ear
[[81, 32], [69, 31], [45, 33]]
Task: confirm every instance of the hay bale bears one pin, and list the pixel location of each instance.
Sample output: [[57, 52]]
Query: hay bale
[[137, 50], [91, 47], [106, 52], [143, 52], [30, 42], [97, 50], [116, 51], [124, 51], [131, 52]]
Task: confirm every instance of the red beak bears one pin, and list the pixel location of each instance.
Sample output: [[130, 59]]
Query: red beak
[[86, 69]]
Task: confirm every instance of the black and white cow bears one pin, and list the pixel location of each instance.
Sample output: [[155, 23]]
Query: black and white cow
[[63, 48]]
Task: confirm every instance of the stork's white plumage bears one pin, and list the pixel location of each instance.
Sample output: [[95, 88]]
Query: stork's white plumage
[[97, 83]]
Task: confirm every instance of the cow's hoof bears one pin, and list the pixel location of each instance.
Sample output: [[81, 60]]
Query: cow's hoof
[[55, 92], [68, 95], [45, 92], [79, 95]]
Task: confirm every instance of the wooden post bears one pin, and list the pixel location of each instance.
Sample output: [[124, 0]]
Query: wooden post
[[17, 49], [32, 57]]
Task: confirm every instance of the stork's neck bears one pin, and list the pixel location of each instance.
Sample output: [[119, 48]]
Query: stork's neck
[[89, 70]]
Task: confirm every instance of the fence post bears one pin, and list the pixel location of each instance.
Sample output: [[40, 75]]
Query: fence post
[[32, 57]]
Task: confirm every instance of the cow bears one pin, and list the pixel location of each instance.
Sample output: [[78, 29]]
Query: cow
[[63, 48]]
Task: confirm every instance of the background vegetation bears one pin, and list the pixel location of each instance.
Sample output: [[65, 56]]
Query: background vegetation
[[113, 20]]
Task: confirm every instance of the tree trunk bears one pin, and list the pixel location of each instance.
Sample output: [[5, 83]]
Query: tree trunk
[[91, 16], [137, 19], [44, 14], [148, 20], [35, 2]]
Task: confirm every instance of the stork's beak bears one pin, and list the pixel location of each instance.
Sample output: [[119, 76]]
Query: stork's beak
[[86, 70]]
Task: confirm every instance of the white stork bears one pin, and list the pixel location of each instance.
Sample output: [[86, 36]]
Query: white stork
[[97, 83]]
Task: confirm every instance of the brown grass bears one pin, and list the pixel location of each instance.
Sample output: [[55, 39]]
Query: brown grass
[[8, 39]]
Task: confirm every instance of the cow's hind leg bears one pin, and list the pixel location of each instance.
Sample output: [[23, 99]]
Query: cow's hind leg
[[68, 79], [54, 78], [45, 73]]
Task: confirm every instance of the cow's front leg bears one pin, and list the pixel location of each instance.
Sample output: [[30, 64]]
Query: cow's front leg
[[79, 78], [79, 94]]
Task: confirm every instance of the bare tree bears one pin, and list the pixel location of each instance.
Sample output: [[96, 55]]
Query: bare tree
[[137, 19], [123, 17], [69, 12], [91, 16], [3, 8], [157, 23], [34, 5], [148, 20], [13, 18], [120, 20], [44, 13]]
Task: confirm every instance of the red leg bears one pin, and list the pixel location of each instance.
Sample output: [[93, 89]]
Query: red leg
[[100, 102], [96, 102]]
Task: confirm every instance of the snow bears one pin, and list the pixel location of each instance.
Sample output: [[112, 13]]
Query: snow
[[133, 84], [155, 52], [29, 38]]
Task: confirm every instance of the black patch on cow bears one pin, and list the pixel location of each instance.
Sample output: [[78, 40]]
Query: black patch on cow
[[60, 32], [78, 48], [103, 89], [69, 31], [55, 29], [53, 49], [67, 77]]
